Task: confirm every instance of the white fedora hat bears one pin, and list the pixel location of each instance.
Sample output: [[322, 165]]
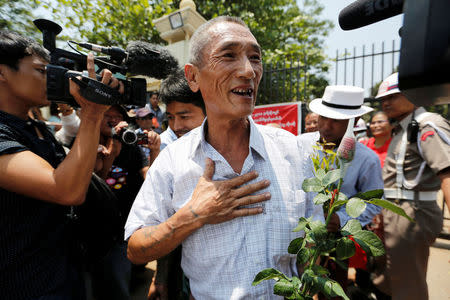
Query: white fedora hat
[[340, 102]]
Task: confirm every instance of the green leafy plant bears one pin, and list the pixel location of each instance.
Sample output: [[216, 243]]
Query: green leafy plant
[[329, 171]]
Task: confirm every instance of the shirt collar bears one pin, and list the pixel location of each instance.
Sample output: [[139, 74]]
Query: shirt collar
[[17, 122], [405, 122], [171, 133], [256, 140]]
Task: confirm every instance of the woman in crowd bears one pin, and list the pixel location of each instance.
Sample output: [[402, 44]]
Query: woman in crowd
[[381, 130]]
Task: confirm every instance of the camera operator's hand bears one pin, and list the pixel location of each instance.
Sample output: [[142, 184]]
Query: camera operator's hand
[[65, 109], [120, 126], [154, 144], [88, 107], [153, 140]]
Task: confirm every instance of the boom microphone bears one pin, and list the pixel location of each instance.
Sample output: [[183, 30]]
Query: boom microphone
[[150, 60], [365, 12], [114, 52]]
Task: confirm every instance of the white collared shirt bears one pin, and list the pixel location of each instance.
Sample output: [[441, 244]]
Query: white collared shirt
[[221, 260], [167, 137]]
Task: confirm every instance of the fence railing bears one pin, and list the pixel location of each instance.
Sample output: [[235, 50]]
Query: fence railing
[[366, 68], [283, 82]]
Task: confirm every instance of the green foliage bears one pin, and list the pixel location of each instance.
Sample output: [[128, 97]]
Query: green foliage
[[17, 15], [287, 33], [318, 242], [111, 22]]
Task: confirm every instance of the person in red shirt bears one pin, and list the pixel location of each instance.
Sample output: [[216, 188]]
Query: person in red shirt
[[381, 130]]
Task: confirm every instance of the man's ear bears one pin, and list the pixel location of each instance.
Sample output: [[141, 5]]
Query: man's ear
[[191, 73], [2, 72]]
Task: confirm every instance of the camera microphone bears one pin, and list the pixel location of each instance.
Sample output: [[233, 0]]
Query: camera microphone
[[149, 59], [365, 12], [114, 52]]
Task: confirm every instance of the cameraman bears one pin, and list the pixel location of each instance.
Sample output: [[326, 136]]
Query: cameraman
[[37, 180], [123, 166]]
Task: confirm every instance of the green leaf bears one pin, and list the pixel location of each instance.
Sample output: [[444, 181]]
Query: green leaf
[[368, 239], [370, 194], [351, 227], [267, 274], [321, 199], [302, 222], [303, 256], [331, 288], [295, 245], [320, 174], [345, 248], [283, 288], [318, 231], [355, 207], [331, 176], [319, 270], [342, 197], [390, 206], [312, 185], [338, 204]]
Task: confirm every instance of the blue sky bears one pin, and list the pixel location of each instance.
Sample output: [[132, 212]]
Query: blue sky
[[338, 39]]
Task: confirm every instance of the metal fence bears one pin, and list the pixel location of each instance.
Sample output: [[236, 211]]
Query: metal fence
[[366, 68], [283, 82]]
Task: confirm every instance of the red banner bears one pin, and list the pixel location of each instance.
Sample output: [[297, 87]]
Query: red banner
[[287, 115]]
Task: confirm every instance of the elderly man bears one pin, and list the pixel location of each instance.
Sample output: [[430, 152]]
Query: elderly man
[[229, 232]]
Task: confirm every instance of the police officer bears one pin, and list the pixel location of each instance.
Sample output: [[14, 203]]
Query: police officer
[[416, 167]]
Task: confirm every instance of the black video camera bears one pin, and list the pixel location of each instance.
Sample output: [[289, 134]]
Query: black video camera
[[65, 64]]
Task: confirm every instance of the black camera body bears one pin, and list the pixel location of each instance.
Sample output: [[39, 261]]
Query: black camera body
[[65, 64]]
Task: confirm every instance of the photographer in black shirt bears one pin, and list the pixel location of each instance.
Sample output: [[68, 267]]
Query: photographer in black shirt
[[37, 180]]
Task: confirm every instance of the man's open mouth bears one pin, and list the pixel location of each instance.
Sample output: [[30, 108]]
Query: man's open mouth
[[243, 92]]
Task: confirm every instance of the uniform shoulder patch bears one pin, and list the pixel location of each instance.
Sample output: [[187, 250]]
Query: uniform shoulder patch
[[426, 134]]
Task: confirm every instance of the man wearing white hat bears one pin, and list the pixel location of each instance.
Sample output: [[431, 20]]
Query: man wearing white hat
[[335, 108], [416, 166], [338, 105]]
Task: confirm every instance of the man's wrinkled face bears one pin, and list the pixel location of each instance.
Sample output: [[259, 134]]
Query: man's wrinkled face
[[231, 71], [183, 117], [332, 130], [28, 84]]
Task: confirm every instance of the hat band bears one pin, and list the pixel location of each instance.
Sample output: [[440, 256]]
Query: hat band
[[341, 106]]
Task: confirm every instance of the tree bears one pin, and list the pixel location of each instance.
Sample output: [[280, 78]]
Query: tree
[[111, 22], [17, 16], [286, 31]]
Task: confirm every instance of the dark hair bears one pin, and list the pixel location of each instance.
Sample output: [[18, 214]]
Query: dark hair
[[14, 47], [151, 93], [380, 112], [176, 88]]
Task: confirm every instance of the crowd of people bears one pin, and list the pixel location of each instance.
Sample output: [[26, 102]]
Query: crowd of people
[[201, 188]]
